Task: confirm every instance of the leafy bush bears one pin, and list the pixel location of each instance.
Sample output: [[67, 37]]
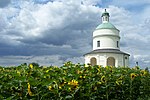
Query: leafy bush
[[74, 81]]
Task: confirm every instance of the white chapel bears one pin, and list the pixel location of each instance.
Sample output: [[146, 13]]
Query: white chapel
[[106, 46]]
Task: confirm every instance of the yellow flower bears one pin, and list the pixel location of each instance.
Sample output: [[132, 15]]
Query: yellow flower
[[69, 89], [44, 76], [132, 75], [55, 66], [31, 66], [18, 72], [79, 72], [47, 71], [143, 72], [28, 85], [136, 68], [44, 66], [86, 65], [50, 87], [65, 82], [29, 89], [73, 82], [60, 87], [82, 76], [103, 79], [107, 67]]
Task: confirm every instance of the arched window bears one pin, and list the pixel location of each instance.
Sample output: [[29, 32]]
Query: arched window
[[111, 61], [93, 61]]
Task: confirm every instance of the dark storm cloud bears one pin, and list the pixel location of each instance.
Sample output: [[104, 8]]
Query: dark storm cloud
[[61, 37], [37, 49], [72, 32], [4, 3], [68, 40]]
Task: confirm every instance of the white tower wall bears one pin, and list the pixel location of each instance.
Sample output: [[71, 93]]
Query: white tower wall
[[109, 39], [106, 42]]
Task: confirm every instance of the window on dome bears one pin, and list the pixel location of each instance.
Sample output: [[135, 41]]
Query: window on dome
[[106, 18], [126, 57], [118, 44], [98, 43], [103, 18]]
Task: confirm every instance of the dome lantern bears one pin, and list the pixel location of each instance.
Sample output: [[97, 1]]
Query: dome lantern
[[105, 17]]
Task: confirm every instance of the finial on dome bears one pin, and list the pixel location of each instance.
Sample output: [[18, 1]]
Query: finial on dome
[[105, 16]]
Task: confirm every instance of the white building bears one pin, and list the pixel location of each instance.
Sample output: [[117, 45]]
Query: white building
[[106, 46]]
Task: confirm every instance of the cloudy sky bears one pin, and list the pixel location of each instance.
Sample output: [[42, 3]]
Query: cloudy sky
[[51, 32]]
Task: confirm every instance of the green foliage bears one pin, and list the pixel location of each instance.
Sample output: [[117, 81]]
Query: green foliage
[[73, 82]]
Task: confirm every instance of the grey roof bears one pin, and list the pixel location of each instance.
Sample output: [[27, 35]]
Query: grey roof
[[107, 51]]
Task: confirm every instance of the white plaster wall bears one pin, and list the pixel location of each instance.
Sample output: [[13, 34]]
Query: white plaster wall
[[106, 42], [127, 60], [88, 57], [106, 32], [102, 59]]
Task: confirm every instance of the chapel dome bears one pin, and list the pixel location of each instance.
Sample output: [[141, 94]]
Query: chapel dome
[[105, 22], [107, 25]]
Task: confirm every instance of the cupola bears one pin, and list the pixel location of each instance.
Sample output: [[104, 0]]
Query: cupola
[[105, 17]]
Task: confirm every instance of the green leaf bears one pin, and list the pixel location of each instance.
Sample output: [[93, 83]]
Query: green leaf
[[10, 98], [68, 97]]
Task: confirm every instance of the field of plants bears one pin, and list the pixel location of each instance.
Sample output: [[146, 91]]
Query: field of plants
[[73, 82]]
